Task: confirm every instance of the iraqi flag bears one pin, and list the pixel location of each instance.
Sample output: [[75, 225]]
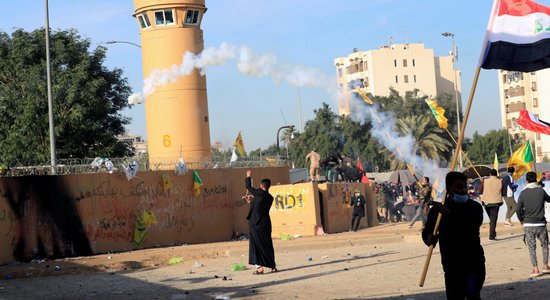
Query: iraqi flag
[[518, 37], [529, 121]]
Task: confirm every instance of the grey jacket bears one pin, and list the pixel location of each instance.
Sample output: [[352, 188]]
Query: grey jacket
[[530, 207]]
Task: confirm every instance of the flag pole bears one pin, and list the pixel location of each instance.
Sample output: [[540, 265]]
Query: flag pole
[[464, 154], [453, 164], [533, 153]]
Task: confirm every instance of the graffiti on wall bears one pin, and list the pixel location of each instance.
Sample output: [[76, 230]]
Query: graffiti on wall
[[290, 198]]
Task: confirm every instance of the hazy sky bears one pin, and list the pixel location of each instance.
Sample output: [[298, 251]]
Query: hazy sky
[[300, 32]]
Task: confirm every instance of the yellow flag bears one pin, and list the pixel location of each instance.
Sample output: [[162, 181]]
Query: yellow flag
[[495, 163], [438, 112], [239, 145], [363, 96], [521, 160], [434, 188]]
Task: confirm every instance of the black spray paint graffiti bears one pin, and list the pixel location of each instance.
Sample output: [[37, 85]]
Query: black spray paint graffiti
[[49, 222], [288, 201]]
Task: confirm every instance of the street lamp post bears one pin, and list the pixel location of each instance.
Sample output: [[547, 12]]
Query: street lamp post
[[455, 59], [291, 127], [50, 100], [123, 42]]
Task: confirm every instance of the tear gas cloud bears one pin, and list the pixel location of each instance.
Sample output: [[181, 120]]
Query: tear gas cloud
[[247, 62]]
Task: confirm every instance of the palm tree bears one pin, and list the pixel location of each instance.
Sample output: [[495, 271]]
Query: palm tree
[[287, 135], [429, 141]]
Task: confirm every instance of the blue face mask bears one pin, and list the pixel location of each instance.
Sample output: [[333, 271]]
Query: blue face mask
[[460, 198]]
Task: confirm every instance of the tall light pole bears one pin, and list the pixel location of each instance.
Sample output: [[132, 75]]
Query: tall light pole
[[455, 59], [123, 42], [291, 127], [50, 101]]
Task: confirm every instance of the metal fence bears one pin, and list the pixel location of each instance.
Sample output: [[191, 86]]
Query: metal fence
[[90, 165]]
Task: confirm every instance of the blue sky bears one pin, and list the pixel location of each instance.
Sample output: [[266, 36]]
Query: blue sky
[[304, 32]]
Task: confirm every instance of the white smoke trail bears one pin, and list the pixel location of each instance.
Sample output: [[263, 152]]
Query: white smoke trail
[[402, 146], [248, 63]]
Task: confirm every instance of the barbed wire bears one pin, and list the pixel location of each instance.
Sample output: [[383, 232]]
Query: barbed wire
[[92, 165]]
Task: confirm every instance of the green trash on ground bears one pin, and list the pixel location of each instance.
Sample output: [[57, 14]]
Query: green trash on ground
[[285, 237], [239, 266], [175, 260]]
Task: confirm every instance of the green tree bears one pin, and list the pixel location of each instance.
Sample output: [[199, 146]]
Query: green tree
[[483, 147], [429, 143], [88, 98]]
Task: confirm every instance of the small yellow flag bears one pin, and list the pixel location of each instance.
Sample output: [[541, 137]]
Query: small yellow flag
[[363, 96], [438, 112], [239, 145], [521, 160]]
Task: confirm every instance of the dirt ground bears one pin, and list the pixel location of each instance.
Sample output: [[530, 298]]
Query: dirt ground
[[384, 262]]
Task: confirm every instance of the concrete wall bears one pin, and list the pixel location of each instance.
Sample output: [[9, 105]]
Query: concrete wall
[[57, 216], [295, 209], [336, 206]]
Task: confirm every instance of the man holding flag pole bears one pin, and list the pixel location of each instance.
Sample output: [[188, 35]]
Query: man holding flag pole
[[511, 43]]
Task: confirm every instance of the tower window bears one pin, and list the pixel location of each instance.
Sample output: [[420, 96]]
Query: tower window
[[144, 21], [414, 63], [414, 78], [404, 63], [339, 72], [164, 17], [396, 79], [406, 79], [192, 17]]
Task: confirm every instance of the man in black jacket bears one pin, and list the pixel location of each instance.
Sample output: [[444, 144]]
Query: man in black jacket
[[261, 251], [530, 211], [358, 202], [462, 255]]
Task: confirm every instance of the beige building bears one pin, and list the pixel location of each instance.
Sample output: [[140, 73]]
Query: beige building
[[530, 91], [139, 144], [403, 67]]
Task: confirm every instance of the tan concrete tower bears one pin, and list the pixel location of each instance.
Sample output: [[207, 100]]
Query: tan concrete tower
[[176, 113]]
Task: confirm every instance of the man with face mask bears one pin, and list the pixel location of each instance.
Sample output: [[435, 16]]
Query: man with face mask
[[462, 255], [358, 202]]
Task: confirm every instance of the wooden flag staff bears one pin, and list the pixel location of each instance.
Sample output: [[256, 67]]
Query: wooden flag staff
[[464, 154], [453, 164]]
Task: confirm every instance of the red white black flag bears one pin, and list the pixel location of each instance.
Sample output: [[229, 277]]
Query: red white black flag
[[518, 37], [529, 121]]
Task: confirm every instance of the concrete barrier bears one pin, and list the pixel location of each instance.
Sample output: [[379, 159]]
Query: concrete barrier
[[83, 214]]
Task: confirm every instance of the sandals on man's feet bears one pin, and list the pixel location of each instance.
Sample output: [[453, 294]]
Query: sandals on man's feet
[[274, 270], [534, 274], [259, 271]]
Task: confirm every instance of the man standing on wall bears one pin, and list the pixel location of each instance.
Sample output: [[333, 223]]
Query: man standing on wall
[[261, 253], [358, 203], [530, 211], [508, 189], [314, 166]]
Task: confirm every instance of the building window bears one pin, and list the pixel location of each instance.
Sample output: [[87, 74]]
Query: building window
[[414, 77], [144, 21], [406, 79], [404, 63], [366, 82], [507, 108], [503, 78], [535, 102], [414, 63], [339, 72], [395, 62], [534, 86], [366, 68], [164, 17], [192, 17], [396, 79], [341, 88]]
